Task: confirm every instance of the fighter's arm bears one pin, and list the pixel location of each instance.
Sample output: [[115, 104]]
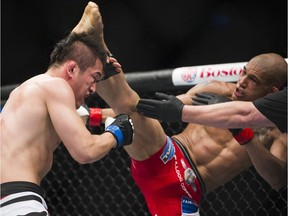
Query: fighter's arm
[[82, 146], [271, 165], [94, 116], [169, 108], [236, 114], [227, 115]]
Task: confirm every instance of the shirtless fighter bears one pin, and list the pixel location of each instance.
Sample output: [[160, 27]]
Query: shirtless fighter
[[174, 172], [41, 113]]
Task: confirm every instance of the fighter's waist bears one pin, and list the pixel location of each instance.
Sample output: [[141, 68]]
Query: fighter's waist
[[191, 163], [13, 187]]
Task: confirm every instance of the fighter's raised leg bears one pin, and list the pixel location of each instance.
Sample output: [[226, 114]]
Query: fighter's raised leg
[[149, 136]]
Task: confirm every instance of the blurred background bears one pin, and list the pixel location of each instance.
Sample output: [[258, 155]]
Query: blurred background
[[144, 35]]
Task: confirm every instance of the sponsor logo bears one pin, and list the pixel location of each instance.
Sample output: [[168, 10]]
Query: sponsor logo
[[212, 72], [180, 178], [188, 206], [189, 175], [168, 151], [189, 76], [199, 74]]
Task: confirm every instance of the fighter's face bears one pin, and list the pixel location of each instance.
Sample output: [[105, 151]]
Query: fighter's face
[[252, 84], [86, 82]]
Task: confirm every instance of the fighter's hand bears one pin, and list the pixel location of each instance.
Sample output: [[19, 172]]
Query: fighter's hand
[[166, 108], [207, 98], [111, 68], [122, 129]]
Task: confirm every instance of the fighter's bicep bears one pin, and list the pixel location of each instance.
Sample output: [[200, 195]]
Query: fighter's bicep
[[59, 102], [62, 111]]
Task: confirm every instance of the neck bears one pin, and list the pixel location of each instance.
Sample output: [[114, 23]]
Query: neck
[[55, 72]]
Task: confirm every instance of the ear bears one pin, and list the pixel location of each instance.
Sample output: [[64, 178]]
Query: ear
[[274, 89], [70, 68]]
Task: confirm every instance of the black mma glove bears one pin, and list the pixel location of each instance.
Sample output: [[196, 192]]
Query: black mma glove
[[109, 70], [207, 98], [122, 129], [242, 135], [166, 108]]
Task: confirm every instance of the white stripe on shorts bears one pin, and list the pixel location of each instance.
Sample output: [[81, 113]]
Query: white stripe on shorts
[[22, 207]]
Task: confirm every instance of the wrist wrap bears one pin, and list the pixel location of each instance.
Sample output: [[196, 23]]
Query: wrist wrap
[[117, 133], [95, 117], [244, 136]]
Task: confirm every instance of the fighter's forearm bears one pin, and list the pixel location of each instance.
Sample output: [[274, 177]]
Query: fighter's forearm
[[107, 112], [236, 114], [270, 168]]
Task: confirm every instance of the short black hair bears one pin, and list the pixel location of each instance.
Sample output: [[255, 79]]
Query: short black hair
[[81, 48]]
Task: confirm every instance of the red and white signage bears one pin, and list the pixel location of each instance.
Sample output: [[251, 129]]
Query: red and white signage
[[198, 74]]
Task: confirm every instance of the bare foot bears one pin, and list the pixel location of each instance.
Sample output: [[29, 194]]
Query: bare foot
[[91, 23]]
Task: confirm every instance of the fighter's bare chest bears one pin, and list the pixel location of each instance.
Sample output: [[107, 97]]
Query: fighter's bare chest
[[212, 136], [206, 143]]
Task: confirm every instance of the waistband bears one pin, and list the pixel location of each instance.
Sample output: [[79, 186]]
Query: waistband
[[191, 163], [20, 186]]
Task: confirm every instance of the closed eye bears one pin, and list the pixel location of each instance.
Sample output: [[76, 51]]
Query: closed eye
[[97, 77]]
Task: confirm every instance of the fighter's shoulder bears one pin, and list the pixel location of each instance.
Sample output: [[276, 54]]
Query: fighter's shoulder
[[213, 86], [55, 86], [45, 88]]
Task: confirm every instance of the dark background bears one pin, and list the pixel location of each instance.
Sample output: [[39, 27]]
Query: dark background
[[144, 35]]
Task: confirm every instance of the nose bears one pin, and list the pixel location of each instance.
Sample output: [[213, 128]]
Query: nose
[[92, 89], [242, 81]]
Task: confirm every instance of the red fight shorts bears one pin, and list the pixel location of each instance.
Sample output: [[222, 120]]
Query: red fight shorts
[[169, 181]]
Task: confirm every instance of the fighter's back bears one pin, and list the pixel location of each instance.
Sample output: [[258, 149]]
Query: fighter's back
[[28, 138]]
